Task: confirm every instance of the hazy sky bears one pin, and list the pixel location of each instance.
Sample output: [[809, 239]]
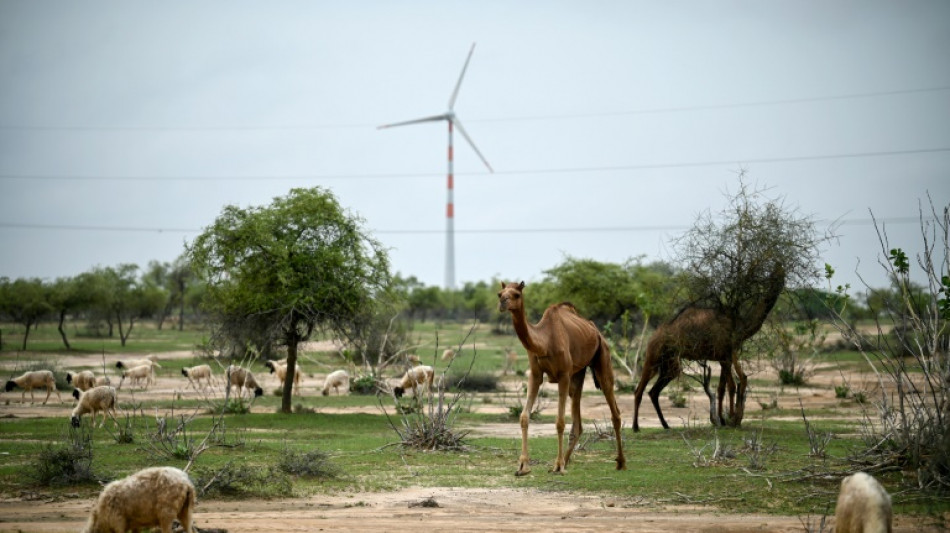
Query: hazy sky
[[126, 127]]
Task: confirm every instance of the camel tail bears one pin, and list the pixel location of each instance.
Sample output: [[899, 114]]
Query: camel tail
[[603, 350]]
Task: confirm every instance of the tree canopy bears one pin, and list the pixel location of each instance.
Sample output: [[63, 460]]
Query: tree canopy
[[284, 270]]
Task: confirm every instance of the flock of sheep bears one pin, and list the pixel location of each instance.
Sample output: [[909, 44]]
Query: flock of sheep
[[158, 496]]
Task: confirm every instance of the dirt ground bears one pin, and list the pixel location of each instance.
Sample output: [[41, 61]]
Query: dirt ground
[[449, 509]]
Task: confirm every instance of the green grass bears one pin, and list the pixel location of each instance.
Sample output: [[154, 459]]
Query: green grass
[[661, 467]]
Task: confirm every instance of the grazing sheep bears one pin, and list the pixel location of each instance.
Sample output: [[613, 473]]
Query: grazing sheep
[[198, 373], [136, 374], [863, 506], [83, 381], [448, 354], [86, 380], [102, 398], [151, 497], [421, 375], [280, 368], [34, 380], [242, 379], [336, 379], [132, 363]]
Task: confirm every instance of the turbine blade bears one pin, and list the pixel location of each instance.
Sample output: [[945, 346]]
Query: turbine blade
[[455, 93], [433, 118], [458, 126]]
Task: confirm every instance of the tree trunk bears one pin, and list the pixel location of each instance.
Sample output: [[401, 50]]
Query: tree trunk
[[124, 335], [26, 334], [286, 397], [62, 331], [181, 314]]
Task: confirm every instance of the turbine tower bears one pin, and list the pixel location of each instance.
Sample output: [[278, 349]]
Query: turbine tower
[[453, 122]]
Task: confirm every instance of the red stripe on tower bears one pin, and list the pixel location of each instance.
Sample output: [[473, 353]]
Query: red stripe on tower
[[450, 210]]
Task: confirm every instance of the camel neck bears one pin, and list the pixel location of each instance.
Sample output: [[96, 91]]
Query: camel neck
[[524, 330]]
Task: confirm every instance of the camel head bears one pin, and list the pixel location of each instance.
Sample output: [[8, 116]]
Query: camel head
[[509, 298]]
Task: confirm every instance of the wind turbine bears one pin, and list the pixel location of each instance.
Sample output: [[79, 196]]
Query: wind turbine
[[453, 122]]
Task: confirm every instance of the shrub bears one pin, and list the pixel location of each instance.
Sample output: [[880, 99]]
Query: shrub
[[364, 385], [69, 463], [242, 480], [474, 382], [313, 463]]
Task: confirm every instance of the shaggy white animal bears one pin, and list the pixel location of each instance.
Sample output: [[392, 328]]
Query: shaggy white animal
[[335, 380], [94, 400], [151, 497], [136, 374], [863, 506], [280, 368], [420, 376], [197, 373], [242, 378], [34, 380]]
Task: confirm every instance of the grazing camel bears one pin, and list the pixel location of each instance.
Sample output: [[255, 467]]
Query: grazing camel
[[561, 345], [700, 334]]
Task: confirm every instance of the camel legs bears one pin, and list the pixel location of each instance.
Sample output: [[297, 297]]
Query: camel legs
[[645, 378], [725, 378], [740, 395], [577, 428], [563, 389], [606, 377], [662, 381], [534, 383]]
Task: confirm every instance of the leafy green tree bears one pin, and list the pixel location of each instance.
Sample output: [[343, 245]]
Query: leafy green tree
[[287, 269], [68, 296], [25, 301], [124, 298], [157, 280]]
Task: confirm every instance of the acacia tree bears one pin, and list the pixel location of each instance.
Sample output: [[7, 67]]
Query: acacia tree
[[737, 261], [285, 270]]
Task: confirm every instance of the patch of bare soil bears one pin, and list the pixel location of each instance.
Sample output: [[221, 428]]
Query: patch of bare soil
[[433, 509]]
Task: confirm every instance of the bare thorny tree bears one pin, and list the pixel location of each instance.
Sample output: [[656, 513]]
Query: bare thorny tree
[[907, 423]]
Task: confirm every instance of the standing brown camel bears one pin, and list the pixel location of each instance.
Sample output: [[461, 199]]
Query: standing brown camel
[[561, 345], [700, 334]]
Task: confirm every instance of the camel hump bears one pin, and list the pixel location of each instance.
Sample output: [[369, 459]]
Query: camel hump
[[569, 306]]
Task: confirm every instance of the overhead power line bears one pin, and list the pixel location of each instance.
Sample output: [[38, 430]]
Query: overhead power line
[[561, 116], [603, 229], [614, 168]]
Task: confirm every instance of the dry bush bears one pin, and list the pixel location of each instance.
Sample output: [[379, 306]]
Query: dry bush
[[907, 418]]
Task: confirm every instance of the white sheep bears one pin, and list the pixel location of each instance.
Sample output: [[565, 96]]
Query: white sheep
[[242, 379], [94, 400], [129, 364], [137, 373], [34, 380], [336, 379], [280, 368], [421, 376], [448, 354], [151, 497], [863, 506], [198, 373]]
